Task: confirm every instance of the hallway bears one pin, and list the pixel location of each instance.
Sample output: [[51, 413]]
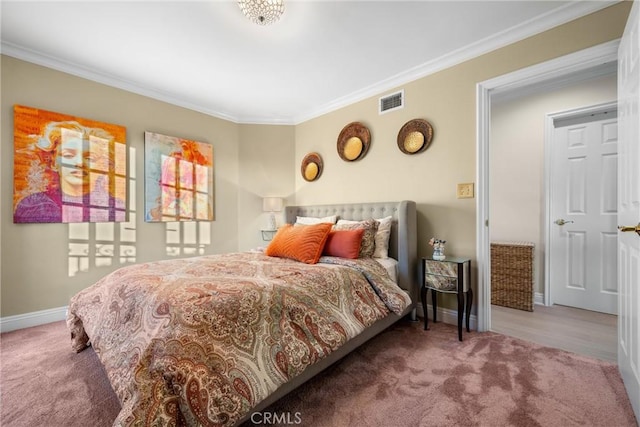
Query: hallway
[[580, 331]]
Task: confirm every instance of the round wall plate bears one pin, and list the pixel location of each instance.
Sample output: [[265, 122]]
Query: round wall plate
[[415, 136], [353, 142], [311, 167]]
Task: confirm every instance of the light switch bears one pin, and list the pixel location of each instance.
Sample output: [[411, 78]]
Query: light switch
[[465, 191]]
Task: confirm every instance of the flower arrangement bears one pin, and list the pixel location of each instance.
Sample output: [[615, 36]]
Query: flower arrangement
[[437, 243], [438, 248]]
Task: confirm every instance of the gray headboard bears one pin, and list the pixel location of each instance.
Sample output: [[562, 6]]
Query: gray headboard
[[403, 243]]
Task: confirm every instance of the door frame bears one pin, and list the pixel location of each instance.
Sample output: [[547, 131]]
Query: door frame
[[565, 68], [549, 129]]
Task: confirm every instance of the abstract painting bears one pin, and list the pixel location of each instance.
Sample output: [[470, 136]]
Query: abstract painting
[[178, 179], [67, 169]]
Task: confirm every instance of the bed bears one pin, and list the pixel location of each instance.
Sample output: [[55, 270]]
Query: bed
[[209, 340]]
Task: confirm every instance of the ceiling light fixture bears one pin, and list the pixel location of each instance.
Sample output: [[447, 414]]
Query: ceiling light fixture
[[262, 12]]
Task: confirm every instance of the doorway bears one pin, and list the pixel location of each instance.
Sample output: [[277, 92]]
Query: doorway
[[520, 185], [576, 67]]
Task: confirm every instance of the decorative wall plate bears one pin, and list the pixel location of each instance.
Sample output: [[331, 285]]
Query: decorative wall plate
[[415, 136], [353, 142], [311, 167]]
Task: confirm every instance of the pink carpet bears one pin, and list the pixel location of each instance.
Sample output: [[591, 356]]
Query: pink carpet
[[404, 377]]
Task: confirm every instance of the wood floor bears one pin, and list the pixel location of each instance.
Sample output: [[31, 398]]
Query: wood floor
[[580, 331]]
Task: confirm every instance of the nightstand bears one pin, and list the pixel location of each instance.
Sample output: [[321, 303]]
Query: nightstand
[[451, 276]]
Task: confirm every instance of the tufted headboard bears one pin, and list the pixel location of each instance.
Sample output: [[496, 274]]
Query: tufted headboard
[[403, 242]]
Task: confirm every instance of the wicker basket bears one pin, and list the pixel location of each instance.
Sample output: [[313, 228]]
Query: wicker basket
[[512, 274]]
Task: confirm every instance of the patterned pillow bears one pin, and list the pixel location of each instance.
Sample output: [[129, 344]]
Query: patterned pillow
[[370, 226], [302, 243], [344, 243], [382, 237]]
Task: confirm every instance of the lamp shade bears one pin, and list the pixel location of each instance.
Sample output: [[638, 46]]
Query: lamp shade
[[272, 204]]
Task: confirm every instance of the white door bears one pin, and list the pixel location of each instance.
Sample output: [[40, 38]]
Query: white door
[[583, 235], [629, 208]]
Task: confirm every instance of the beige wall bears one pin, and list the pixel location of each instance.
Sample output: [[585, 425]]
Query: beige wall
[[448, 100], [35, 257], [34, 262], [517, 161], [266, 170]]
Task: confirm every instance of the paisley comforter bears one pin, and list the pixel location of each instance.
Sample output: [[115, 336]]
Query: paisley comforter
[[200, 341]]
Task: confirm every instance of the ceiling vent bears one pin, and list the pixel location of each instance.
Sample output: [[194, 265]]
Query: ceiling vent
[[395, 101]]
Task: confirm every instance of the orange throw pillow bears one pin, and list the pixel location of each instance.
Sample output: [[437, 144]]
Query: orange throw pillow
[[344, 243], [303, 243]]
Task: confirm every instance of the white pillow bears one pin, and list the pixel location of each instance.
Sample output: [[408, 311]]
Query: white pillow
[[382, 235], [310, 220]]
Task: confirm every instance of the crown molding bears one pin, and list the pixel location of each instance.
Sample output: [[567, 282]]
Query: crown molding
[[77, 70], [514, 34], [509, 36]]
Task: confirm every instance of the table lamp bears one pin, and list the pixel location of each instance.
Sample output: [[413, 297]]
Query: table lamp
[[271, 205]]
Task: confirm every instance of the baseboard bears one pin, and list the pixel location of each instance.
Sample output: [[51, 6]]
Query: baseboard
[[446, 315], [27, 320], [538, 298]]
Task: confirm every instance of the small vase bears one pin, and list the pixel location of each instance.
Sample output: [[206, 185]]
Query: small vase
[[438, 254]]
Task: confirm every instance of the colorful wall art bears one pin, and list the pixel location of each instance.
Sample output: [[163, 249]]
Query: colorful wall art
[[67, 169], [178, 179]]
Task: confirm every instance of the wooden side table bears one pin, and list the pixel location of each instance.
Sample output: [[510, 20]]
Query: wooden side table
[[450, 276]]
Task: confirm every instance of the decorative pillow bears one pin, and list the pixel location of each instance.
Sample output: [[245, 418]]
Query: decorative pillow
[[382, 237], [370, 227], [344, 243], [308, 220], [303, 243]]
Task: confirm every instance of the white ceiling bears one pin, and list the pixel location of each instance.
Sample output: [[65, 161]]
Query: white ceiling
[[322, 55]]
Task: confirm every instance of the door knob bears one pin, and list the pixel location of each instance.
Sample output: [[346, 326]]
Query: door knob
[[562, 221], [625, 228]]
